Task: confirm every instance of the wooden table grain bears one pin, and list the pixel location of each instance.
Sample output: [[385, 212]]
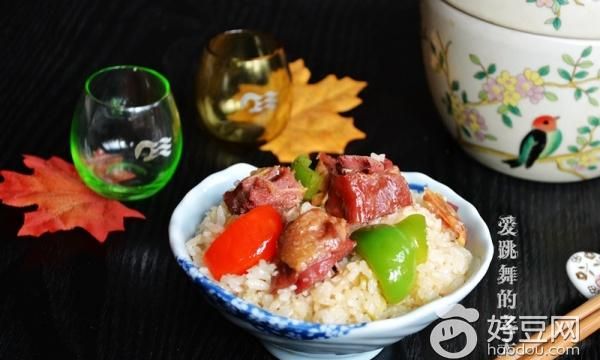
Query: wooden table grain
[[65, 296]]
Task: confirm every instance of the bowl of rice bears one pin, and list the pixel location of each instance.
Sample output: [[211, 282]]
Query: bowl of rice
[[344, 315]]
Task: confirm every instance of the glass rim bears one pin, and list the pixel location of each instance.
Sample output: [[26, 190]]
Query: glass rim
[[278, 47], [156, 74]]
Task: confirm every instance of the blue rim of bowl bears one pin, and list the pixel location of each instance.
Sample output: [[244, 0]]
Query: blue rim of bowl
[[262, 319], [273, 324]]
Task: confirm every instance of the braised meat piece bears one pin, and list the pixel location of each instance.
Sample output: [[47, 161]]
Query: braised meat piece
[[312, 237], [275, 186], [362, 188], [354, 163], [309, 248], [319, 270]]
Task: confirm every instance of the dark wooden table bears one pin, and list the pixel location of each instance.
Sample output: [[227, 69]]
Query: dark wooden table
[[65, 296]]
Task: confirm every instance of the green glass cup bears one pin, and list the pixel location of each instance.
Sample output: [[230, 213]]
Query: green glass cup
[[126, 137]]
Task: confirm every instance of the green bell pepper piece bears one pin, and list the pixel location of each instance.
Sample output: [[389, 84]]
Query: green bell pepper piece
[[391, 257], [308, 177], [414, 227]]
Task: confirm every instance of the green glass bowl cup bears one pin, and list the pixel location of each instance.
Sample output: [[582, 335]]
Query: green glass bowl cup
[[126, 137]]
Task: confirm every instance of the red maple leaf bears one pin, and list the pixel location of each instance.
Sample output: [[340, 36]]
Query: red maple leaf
[[63, 201]]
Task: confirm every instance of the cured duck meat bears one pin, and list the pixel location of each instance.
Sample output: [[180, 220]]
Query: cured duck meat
[[275, 186], [362, 188], [309, 248]]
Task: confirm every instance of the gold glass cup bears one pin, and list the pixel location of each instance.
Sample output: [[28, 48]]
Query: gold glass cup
[[243, 86]]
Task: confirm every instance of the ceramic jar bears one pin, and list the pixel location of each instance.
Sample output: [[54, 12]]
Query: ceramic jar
[[520, 96]]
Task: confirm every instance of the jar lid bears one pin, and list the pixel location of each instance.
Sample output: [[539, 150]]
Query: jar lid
[[578, 19]]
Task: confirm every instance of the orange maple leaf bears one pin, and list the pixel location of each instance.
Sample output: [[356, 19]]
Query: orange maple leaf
[[63, 200], [315, 124]]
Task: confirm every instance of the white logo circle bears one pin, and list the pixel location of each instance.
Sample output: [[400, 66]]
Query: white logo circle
[[452, 327]]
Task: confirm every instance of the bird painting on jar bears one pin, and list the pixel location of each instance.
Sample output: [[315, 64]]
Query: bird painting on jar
[[540, 142]]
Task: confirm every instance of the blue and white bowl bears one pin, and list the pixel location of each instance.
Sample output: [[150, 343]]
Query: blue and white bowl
[[287, 338]]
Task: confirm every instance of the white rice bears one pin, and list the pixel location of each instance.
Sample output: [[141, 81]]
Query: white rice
[[352, 295]]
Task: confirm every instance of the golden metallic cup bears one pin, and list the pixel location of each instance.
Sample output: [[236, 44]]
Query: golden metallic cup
[[243, 90]]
